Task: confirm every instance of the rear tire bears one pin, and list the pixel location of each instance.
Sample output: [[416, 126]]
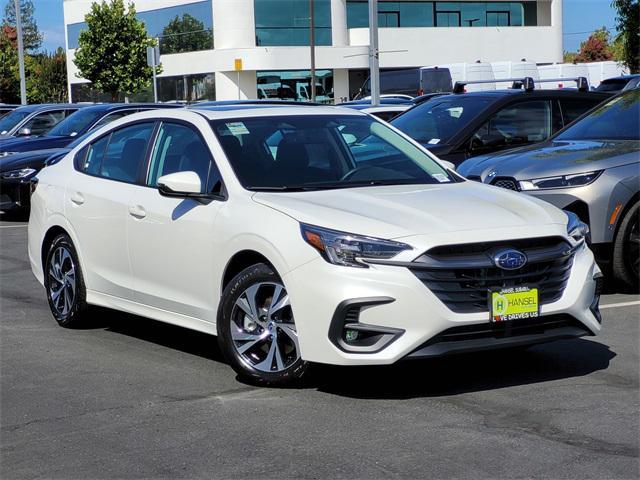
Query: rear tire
[[64, 283], [256, 330], [626, 249]]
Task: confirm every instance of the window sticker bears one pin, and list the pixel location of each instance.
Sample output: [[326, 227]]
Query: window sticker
[[237, 128], [441, 177]]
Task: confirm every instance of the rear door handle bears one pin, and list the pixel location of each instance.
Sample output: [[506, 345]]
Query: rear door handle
[[77, 198], [137, 211]]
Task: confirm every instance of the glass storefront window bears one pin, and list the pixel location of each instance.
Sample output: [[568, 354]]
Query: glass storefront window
[[286, 22], [443, 14], [181, 88], [295, 85], [183, 28]]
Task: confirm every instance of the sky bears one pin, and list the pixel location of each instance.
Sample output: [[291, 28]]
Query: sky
[[581, 17]]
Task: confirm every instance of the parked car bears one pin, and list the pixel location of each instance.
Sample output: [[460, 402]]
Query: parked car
[[228, 221], [460, 126], [618, 84], [390, 106], [6, 108], [78, 123], [34, 119], [410, 81], [591, 168]]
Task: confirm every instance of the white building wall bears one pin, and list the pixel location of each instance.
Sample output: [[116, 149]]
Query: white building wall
[[234, 37]]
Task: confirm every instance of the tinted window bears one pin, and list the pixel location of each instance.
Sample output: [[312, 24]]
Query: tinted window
[[322, 151], [433, 80], [75, 123], [93, 156], [43, 122], [437, 120], [573, 108], [618, 119], [286, 22], [12, 119], [519, 124], [125, 152], [401, 81], [178, 148]]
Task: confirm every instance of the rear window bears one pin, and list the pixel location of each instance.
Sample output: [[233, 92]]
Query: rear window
[[613, 85]]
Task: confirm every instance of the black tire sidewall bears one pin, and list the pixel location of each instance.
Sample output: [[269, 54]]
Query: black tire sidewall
[[621, 270], [73, 317], [254, 274]]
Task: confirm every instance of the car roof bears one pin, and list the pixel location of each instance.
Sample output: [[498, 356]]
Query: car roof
[[245, 111], [622, 77], [49, 106], [112, 107], [384, 101], [511, 92]]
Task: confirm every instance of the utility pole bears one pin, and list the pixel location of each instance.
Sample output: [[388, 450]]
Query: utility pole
[[23, 85], [374, 59], [312, 45]]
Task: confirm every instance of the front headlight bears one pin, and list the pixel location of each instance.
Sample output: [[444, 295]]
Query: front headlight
[[341, 248], [576, 228], [562, 181], [21, 173]]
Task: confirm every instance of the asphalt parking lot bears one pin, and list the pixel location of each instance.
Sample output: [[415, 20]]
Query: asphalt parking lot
[[128, 397]]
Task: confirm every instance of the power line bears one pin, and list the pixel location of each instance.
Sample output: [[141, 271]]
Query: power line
[[590, 31]]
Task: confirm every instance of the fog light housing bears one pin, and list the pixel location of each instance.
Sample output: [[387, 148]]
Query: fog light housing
[[595, 304], [350, 336]]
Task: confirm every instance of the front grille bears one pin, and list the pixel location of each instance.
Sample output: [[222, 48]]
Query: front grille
[[461, 276], [507, 183]]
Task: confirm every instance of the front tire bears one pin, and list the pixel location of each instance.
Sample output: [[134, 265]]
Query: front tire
[[256, 330], [626, 249], [64, 283]]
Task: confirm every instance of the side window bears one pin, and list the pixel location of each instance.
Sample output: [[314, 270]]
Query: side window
[[519, 124], [94, 155], [179, 148], [43, 122], [111, 117], [125, 152], [573, 108]]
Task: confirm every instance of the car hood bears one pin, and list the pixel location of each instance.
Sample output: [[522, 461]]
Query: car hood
[[554, 158], [23, 144], [27, 159], [405, 210]]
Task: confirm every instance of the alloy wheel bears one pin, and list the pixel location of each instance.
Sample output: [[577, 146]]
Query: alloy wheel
[[62, 281], [633, 247], [262, 328]]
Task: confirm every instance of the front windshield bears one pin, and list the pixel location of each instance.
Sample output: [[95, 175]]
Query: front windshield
[[74, 123], [617, 119], [439, 119], [12, 119], [310, 152]]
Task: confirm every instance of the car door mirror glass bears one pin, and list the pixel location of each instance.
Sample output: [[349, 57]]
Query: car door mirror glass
[[180, 184], [24, 132]]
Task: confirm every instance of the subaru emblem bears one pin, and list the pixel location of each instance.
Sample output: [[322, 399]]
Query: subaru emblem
[[509, 259]]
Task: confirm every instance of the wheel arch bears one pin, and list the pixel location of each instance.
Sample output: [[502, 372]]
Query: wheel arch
[[241, 260], [635, 198]]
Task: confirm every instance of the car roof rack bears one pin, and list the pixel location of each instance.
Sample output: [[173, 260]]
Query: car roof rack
[[581, 82], [526, 82]]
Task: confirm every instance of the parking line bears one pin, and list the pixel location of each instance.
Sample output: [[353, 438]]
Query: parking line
[[621, 304]]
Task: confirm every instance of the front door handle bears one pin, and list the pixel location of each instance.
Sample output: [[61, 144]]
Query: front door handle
[[137, 211], [77, 198]]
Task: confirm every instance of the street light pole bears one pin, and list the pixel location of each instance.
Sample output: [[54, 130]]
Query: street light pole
[[374, 59], [312, 45], [23, 86]]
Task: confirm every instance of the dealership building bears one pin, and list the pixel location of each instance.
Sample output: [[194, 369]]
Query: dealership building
[[229, 49]]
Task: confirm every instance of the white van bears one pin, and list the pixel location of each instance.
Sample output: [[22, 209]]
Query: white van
[[521, 69], [562, 70], [599, 71], [461, 72]]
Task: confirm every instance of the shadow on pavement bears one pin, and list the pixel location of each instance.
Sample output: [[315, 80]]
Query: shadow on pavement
[[407, 379], [466, 373]]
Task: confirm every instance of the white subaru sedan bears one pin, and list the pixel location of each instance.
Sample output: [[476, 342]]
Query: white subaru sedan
[[303, 234]]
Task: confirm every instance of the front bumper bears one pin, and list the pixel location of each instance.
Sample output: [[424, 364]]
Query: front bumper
[[397, 304], [14, 194]]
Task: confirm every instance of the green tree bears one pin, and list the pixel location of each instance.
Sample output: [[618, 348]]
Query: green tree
[[185, 34], [31, 36], [628, 25], [112, 51], [9, 79], [47, 77]]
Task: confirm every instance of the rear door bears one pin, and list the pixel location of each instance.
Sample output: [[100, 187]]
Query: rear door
[[97, 199]]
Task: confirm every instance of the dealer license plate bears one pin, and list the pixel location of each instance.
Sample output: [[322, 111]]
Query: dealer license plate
[[514, 303]]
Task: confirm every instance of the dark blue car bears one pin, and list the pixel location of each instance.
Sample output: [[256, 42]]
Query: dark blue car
[[84, 120]]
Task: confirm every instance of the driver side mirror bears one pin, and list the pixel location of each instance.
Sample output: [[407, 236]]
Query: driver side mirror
[[180, 184], [24, 132]]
